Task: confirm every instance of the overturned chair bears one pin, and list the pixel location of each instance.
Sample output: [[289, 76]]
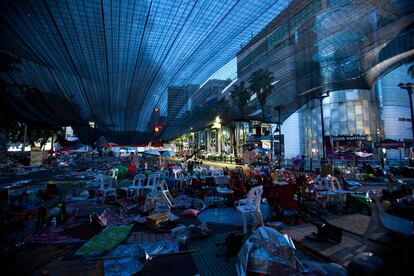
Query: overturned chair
[[381, 221], [161, 196]]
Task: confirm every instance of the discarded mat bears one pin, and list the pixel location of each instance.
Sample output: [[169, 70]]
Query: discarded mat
[[140, 237], [207, 261], [110, 218], [105, 241], [132, 256], [130, 263], [51, 235], [82, 231]]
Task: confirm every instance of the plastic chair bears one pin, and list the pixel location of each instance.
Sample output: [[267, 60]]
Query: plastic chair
[[337, 188], [107, 185], [325, 189], [253, 200], [238, 188], [114, 175], [221, 180], [245, 201], [161, 196], [176, 172], [165, 174], [152, 182], [286, 203], [183, 180], [137, 184], [380, 220], [217, 172]]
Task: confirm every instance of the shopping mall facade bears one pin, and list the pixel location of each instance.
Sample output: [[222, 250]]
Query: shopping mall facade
[[354, 53]]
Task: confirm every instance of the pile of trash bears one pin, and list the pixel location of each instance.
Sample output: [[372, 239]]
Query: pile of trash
[[270, 252]]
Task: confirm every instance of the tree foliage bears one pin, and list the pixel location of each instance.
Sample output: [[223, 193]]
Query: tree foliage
[[42, 135], [261, 83], [13, 132], [240, 95]]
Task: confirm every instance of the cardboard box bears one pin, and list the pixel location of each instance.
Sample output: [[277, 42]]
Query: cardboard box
[[156, 220]]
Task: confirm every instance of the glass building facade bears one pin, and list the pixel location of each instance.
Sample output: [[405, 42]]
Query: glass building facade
[[380, 113], [347, 112]]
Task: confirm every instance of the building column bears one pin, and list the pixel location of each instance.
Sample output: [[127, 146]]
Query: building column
[[208, 140], [218, 140], [232, 139]]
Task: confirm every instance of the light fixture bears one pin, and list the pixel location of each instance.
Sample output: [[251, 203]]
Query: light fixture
[[273, 83], [216, 123], [325, 94]]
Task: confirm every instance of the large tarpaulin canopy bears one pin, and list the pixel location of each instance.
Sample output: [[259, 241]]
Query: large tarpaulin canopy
[[112, 62]]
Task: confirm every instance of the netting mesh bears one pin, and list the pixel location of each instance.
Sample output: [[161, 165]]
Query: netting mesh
[[112, 62]]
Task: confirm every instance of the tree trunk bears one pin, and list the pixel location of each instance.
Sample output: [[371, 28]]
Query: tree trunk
[[51, 143], [271, 144], [3, 144], [233, 129], [24, 137]]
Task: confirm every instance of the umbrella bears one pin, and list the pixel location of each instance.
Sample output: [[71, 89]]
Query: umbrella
[[82, 149], [363, 154], [168, 153], [152, 152], [260, 150]]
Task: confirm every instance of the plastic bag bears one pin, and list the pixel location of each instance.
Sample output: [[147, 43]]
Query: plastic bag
[[269, 252]]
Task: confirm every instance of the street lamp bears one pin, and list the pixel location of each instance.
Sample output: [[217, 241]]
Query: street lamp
[[408, 86], [278, 108], [321, 97]]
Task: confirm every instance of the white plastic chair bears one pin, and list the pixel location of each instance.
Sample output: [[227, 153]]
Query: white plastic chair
[[137, 184], [107, 185], [252, 206], [337, 187], [221, 180], [163, 187], [160, 196], [245, 201], [176, 172], [182, 180], [152, 182], [114, 175], [217, 172], [380, 220], [325, 189]]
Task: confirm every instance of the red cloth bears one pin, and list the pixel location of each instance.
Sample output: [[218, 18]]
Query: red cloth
[[190, 213], [286, 196], [131, 168]]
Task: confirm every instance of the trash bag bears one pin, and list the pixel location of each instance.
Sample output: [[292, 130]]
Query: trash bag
[[198, 204], [197, 232], [269, 252], [122, 171]]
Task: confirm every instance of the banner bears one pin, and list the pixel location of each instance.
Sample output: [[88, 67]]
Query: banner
[[37, 157], [345, 146], [389, 145]]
